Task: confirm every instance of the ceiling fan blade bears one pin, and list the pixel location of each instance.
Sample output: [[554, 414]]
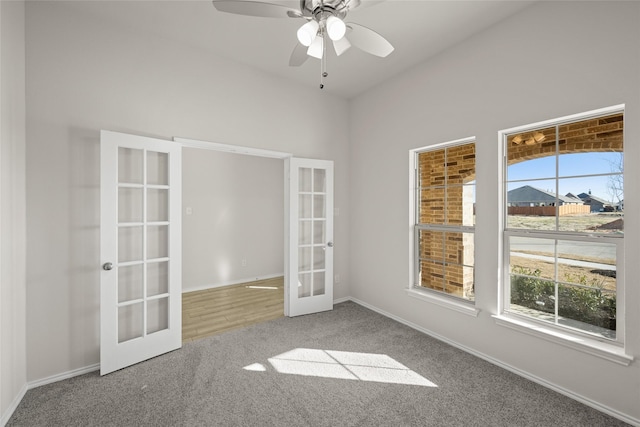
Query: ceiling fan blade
[[368, 40], [298, 56], [256, 8], [341, 46], [352, 4]]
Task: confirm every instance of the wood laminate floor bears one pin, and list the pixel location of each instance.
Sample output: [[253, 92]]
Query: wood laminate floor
[[218, 310]]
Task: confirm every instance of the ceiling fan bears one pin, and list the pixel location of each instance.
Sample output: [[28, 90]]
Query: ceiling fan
[[325, 24]]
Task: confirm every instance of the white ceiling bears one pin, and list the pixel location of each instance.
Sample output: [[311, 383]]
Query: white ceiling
[[418, 29]]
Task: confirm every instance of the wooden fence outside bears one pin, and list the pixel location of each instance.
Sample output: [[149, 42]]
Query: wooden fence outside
[[549, 210]]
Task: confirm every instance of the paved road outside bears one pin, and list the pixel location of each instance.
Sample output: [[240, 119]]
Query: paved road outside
[[591, 250]]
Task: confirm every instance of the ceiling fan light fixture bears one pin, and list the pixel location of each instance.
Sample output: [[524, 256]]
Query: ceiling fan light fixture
[[307, 33], [316, 47], [341, 46], [324, 24], [336, 28]]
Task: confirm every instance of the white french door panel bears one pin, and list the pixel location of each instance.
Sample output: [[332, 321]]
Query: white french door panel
[[309, 236], [140, 249]]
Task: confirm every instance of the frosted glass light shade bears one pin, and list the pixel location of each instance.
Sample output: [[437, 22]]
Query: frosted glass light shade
[[341, 46], [336, 28], [307, 33], [316, 48]]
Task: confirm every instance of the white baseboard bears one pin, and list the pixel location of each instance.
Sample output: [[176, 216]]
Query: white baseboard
[[37, 383], [230, 283], [11, 409], [589, 402], [63, 376], [339, 300]]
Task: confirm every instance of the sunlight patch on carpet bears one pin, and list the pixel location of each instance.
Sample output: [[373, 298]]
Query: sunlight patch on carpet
[[256, 367], [345, 365]]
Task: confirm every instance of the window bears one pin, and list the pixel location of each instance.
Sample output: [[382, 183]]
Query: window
[[563, 224], [444, 218]]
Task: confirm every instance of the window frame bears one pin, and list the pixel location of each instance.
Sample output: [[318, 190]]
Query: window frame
[[433, 296], [607, 348]]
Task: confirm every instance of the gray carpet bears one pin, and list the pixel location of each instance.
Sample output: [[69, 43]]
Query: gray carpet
[[206, 383]]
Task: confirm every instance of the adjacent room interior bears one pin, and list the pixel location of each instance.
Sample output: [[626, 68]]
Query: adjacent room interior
[[233, 241]]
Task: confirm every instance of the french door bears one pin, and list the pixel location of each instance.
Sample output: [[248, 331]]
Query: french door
[[309, 243], [140, 239]]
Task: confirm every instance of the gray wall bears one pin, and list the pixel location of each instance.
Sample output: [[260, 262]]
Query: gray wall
[[85, 74], [237, 212], [13, 366], [551, 60]]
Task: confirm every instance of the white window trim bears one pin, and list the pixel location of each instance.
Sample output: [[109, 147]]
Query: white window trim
[[610, 350], [604, 350], [452, 303], [414, 290]]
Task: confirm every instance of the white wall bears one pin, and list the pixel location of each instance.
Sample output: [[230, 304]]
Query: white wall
[[237, 212], [551, 60], [85, 74], [13, 368]]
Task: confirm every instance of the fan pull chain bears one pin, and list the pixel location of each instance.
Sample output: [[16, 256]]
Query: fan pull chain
[[323, 62]]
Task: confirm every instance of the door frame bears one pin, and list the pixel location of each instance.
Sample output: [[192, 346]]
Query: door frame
[[285, 157]]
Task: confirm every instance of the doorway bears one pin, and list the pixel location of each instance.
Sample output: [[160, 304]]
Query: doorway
[[141, 240], [233, 250]]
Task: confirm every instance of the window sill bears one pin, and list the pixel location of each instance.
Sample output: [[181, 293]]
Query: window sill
[[442, 301], [594, 347]]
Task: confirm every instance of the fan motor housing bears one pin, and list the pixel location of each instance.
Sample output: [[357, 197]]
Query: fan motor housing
[[322, 9]]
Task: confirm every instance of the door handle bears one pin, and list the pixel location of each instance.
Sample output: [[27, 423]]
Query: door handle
[[107, 266], [330, 244]]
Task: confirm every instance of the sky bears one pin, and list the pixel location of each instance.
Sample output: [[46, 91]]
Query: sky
[[581, 167]]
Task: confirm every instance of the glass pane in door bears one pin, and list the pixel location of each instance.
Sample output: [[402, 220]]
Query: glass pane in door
[[157, 168], [304, 285], [130, 165], [129, 244], [304, 259], [157, 278], [319, 206], [130, 319], [318, 283], [304, 233], [319, 180], [157, 315], [319, 231], [130, 204], [157, 241], [304, 180], [130, 279], [157, 205], [318, 257], [304, 206]]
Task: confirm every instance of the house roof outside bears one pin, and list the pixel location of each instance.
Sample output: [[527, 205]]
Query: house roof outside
[[587, 198], [528, 193]]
